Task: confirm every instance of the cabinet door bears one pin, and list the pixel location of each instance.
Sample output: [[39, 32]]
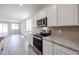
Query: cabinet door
[[59, 50], [42, 14], [52, 15], [47, 48], [67, 14]]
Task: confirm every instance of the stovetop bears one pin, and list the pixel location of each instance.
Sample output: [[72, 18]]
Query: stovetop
[[39, 35]]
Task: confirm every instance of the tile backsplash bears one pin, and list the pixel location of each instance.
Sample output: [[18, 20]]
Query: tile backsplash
[[68, 36]]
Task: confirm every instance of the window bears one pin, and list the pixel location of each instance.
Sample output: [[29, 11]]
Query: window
[[14, 26], [28, 26], [3, 28]]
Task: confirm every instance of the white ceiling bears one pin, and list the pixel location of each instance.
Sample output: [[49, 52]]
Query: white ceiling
[[15, 12]]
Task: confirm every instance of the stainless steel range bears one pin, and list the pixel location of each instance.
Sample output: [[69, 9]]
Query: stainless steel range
[[37, 43]]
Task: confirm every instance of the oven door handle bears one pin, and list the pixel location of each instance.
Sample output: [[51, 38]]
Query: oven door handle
[[37, 37]]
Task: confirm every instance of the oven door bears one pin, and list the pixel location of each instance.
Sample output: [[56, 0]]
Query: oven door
[[37, 42]]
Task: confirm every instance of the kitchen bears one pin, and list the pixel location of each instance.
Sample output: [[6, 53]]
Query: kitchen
[[63, 27], [49, 29]]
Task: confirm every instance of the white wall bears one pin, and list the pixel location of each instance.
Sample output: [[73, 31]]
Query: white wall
[[27, 35], [24, 32], [23, 28]]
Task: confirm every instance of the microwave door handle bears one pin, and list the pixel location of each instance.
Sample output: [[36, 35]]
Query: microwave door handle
[[46, 21], [42, 21]]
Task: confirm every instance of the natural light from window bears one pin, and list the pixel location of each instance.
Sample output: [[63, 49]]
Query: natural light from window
[[3, 28], [14, 26]]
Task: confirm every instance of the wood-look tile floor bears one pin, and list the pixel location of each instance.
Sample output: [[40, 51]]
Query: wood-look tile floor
[[17, 45]]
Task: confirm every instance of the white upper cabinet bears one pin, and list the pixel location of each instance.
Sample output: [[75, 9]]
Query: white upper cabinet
[[67, 14], [59, 15], [52, 15], [42, 14]]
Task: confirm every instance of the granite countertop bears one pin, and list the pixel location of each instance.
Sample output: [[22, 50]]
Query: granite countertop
[[48, 38]]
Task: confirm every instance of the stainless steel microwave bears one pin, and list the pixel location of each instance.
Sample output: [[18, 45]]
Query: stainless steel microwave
[[42, 22]]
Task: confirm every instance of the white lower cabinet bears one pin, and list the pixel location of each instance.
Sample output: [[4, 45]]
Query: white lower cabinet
[[47, 48], [59, 50], [50, 48]]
